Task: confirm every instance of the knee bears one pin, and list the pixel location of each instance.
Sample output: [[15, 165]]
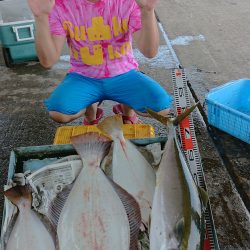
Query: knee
[[58, 117]]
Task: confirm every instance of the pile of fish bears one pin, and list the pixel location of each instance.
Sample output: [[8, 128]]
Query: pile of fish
[[118, 200]]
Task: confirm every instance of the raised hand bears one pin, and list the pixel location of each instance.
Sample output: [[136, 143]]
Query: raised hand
[[41, 7], [146, 4]]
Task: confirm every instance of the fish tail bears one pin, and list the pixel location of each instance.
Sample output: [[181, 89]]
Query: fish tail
[[163, 119], [91, 147], [175, 121], [112, 125], [184, 114], [18, 193]]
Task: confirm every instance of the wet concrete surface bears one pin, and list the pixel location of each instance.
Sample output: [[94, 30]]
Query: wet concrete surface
[[25, 122], [226, 164], [225, 159], [229, 213], [222, 55]]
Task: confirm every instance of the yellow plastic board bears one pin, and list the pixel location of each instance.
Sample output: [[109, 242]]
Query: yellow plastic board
[[130, 131]]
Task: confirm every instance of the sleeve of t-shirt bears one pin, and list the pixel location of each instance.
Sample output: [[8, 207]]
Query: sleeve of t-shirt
[[135, 18], [56, 26]]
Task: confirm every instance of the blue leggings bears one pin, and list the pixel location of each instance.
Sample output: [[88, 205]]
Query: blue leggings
[[133, 88]]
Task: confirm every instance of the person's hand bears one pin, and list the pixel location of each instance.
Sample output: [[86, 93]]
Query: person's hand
[[146, 4], [41, 7]]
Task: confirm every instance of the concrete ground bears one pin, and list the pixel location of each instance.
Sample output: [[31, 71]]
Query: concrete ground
[[208, 38]]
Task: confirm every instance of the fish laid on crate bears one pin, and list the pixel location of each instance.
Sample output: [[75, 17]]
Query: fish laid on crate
[[129, 168], [98, 214], [29, 232], [178, 205]]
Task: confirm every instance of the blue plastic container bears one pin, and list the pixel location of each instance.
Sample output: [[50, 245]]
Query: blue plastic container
[[229, 108]]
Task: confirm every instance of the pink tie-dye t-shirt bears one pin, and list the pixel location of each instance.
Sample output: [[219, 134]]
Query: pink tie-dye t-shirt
[[98, 34]]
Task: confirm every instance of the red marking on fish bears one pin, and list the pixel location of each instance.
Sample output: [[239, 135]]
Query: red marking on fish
[[93, 163], [98, 246], [86, 194], [84, 220], [83, 225], [124, 147], [140, 194]]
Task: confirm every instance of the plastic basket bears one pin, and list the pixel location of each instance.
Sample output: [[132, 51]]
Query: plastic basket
[[229, 108], [131, 131]]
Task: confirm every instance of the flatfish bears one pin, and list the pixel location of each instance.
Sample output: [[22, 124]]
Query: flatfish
[[29, 232], [130, 169], [93, 216]]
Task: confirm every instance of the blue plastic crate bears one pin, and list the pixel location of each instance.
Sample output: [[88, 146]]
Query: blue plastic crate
[[229, 108]]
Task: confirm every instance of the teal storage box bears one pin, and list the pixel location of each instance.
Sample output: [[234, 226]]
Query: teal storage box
[[17, 29], [229, 108]]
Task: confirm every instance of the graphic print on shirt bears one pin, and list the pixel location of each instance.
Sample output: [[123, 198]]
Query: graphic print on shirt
[[98, 31]]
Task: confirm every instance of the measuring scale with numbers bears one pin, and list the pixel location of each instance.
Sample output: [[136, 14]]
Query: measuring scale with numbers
[[190, 147]]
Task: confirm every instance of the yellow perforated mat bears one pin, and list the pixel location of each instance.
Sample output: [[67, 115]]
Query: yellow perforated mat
[[131, 131]]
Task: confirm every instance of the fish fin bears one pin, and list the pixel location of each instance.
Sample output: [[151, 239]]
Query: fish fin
[[91, 147], [175, 121], [15, 194], [143, 240], [111, 125], [196, 217], [56, 205], [203, 197], [133, 212], [179, 229], [163, 119], [203, 231], [184, 114]]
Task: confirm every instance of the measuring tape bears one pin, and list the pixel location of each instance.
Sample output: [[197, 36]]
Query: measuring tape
[[190, 147]]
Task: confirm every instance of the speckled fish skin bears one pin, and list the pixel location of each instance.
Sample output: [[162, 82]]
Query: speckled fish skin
[[29, 232], [93, 217]]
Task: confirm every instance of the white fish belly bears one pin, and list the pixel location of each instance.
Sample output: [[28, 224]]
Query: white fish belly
[[167, 204], [196, 207], [133, 173], [29, 233], [175, 193], [93, 216]]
